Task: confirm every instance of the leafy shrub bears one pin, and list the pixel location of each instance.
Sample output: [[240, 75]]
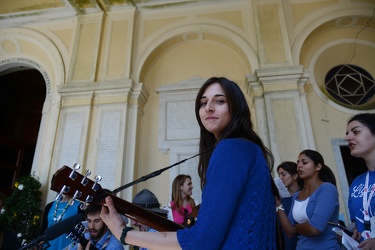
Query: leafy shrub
[[22, 209]]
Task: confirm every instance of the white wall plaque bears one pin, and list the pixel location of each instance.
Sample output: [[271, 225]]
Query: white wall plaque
[[108, 147], [181, 122], [71, 138], [178, 125]]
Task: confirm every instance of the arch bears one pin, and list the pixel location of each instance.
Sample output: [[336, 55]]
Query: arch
[[313, 21], [178, 30], [26, 47], [54, 65], [19, 63]]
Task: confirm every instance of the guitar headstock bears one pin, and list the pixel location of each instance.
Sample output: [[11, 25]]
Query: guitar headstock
[[68, 181], [77, 234]]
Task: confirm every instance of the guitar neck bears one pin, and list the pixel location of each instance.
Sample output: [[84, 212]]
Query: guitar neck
[[70, 182], [144, 216]]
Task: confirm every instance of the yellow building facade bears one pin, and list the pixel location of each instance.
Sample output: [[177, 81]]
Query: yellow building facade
[[121, 78]]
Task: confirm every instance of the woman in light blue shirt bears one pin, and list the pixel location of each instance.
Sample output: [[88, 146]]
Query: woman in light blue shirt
[[313, 206]]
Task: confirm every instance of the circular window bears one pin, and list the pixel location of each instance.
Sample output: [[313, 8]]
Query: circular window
[[350, 84]]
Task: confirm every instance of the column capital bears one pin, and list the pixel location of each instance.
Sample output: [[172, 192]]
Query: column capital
[[277, 79]]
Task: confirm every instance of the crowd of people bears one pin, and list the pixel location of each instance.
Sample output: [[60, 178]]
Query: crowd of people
[[314, 201], [239, 196], [313, 206]]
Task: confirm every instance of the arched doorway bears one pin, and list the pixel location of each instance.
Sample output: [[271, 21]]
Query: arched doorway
[[22, 94]]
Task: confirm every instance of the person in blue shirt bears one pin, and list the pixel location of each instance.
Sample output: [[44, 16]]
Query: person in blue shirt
[[99, 234], [56, 211], [360, 135], [313, 206], [238, 193]]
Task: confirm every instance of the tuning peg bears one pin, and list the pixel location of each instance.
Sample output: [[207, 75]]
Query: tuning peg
[[89, 199], [84, 179], [79, 228], [73, 174], [95, 187], [76, 195], [63, 190], [72, 236], [83, 206]]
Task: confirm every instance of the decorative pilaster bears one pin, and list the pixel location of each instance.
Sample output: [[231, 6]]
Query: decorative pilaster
[[282, 116], [138, 98]]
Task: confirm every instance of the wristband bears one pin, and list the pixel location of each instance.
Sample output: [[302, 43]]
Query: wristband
[[279, 208], [123, 235]]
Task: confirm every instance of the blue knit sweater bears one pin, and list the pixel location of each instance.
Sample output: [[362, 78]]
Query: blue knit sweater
[[238, 207]]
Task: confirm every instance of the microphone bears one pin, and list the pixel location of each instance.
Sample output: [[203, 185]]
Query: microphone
[[54, 231], [63, 227]]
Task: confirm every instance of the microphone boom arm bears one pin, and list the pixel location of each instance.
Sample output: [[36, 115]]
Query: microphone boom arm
[[146, 177], [35, 242], [155, 173]]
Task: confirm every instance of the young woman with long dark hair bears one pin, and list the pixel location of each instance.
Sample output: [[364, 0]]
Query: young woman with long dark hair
[[238, 193]]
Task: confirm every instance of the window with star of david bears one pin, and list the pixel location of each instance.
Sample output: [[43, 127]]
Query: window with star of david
[[350, 85]]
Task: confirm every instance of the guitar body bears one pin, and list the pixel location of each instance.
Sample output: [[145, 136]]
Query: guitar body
[[68, 181], [190, 220]]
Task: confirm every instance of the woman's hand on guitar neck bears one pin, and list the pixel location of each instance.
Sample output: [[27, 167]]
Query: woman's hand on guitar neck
[[112, 218]]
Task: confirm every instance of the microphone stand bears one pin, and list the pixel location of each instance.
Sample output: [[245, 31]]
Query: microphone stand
[[35, 242], [156, 173]]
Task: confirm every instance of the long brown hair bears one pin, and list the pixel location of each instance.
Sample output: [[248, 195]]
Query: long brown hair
[[239, 127], [178, 181]]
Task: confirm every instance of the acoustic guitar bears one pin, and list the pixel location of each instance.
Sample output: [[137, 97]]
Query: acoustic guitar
[[70, 182]]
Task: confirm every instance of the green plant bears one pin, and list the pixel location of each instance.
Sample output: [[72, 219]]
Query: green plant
[[21, 212]]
